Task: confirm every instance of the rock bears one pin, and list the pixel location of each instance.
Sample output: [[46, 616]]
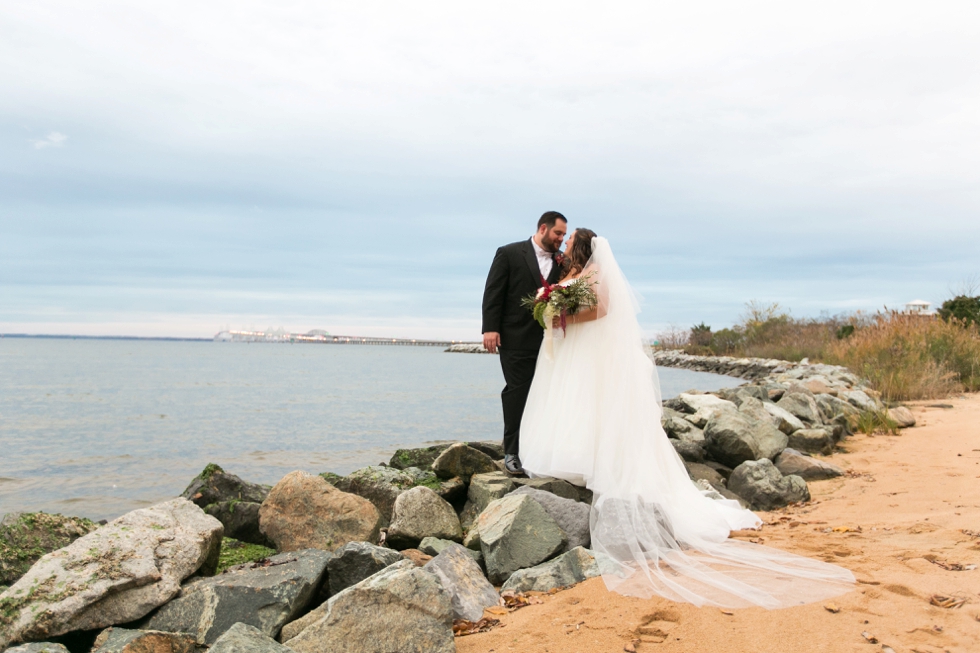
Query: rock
[[422, 457], [401, 609], [733, 438], [379, 485], [304, 511], [703, 407], [26, 536], [417, 558], [354, 562], [516, 533], [452, 490], [483, 489], [115, 574], [754, 391], [764, 487], [716, 491], [902, 417], [689, 451], [421, 513], [724, 470], [571, 516], [679, 428], [124, 640], [493, 449], [215, 485], [266, 597], [566, 570], [793, 463], [699, 472], [860, 400], [38, 647], [433, 546], [462, 577], [463, 461], [242, 638], [241, 521], [784, 420], [472, 539], [775, 391], [813, 441], [803, 406], [555, 486], [754, 409]]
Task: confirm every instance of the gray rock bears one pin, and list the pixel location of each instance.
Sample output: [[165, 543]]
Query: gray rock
[[242, 638], [516, 533], [679, 428], [570, 515], [433, 546], [902, 417], [493, 449], [38, 647], [860, 400], [802, 405], [241, 521], [732, 438], [304, 511], [472, 539], [813, 441], [421, 513], [451, 489], [462, 461], [124, 640], [422, 457], [555, 486], [483, 489], [215, 485], [379, 485], [754, 409], [266, 597], [462, 577], [754, 391], [793, 463], [401, 609], [356, 561], [764, 487], [724, 470], [26, 536], [689, 451], [115, 574], [718, 491], [703, 407], [784, 420], [699, 472], [566, 570]]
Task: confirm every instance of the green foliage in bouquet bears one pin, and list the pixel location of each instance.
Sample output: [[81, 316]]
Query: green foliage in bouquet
[[577, 296]]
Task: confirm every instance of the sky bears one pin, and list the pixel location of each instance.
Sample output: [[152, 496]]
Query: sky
[[175, 168]]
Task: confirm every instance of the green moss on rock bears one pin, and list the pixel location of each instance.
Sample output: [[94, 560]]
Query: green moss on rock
[[25, 537], [234, 553]]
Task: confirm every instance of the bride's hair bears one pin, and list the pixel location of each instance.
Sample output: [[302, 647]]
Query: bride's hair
[[580, 253]]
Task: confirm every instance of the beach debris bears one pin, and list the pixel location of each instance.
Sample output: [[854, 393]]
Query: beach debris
[[948, 602], [727, 612], [832, 607], [462, 627], [885, 648], [869, 637], [630, 647], [972, 534], [516, 600], [846, 529], [952, 566], [566, 570]]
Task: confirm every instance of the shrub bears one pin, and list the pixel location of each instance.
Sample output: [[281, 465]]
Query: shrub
[[701, 335], [962, 308]]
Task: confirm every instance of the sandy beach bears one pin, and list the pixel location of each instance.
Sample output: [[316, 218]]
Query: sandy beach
[[905, 520]]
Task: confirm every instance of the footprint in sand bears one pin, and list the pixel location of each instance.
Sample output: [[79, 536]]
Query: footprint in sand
[[655, 628]]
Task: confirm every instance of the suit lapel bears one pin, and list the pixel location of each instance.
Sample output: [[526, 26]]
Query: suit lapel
[[532, 263], [555, 272]]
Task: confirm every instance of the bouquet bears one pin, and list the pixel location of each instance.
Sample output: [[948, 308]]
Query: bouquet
[[561, 301]]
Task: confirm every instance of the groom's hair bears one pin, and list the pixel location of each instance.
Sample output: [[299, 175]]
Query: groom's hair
[[550, 218]]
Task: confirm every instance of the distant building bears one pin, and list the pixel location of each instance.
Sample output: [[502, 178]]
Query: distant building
[[919, 307]]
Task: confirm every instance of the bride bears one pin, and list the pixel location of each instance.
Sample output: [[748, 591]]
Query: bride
[[593, 419]]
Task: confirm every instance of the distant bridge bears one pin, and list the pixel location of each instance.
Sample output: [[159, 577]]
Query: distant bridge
[[319, 337]]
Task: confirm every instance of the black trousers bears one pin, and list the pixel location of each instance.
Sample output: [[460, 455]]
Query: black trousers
[[518, 367]]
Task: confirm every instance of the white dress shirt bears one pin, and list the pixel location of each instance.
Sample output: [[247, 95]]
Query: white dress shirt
[[545, 260]]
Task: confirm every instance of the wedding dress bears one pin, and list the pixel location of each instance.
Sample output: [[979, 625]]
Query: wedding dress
[[593, 419]]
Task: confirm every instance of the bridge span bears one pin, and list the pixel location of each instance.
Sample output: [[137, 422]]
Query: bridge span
[[319, 337]]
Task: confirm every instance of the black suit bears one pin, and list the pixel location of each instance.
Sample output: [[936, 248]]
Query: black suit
[[514, 274]]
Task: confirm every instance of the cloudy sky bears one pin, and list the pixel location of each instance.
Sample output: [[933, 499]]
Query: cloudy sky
[[170, 168]]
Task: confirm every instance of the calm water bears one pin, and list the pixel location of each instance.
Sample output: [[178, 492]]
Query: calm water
[[100, 427]]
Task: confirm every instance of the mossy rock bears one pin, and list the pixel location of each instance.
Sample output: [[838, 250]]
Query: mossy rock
[[422, 457], [214, 485], [25, 537], [234, 553]]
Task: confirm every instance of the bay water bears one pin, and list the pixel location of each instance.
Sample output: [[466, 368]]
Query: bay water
[[96, 428]]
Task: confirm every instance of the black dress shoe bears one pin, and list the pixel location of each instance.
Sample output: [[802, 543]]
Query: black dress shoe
[[512, 463]]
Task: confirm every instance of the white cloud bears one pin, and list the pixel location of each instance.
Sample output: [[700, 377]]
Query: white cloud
[[54, 139]]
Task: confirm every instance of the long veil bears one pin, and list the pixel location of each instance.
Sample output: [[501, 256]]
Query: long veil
[[653, 531]]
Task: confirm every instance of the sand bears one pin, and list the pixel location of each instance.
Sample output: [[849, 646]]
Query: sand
[[899, 514]]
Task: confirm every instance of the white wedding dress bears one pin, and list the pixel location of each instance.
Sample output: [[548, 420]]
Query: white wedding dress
[[593, 419]]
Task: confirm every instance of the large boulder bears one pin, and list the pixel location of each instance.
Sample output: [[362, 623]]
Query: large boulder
[[861, 400], [241, 521], [214, 485], [566, 570], [266, 597], [570, 515], [793, 463], [462, 577], [754, 409], [764, 487], [819, 440], [242, 638], [516, 533], [452, 490], [732, 438], [555, 486], [356, 561], [421, 513], [401, 609], [483, 489], [703, 407], [421, 457], [699, 472], [785, 421], [494, 449], [379, 485], [304, 511], [115, 574], [679, 428], [38, 647], [689, 451], [902, 417], [463, 461], [124, 640], [26, 536], [802, 405]]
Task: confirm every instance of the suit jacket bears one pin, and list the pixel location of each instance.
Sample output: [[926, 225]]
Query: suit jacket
[[514, 274]]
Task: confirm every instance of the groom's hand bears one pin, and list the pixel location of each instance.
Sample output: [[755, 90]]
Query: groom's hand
[[491, 340]]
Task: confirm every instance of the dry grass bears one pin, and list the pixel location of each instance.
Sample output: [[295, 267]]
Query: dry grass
[[907, 357]]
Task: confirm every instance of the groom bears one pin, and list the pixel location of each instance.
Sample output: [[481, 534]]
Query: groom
[[516, 272]]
